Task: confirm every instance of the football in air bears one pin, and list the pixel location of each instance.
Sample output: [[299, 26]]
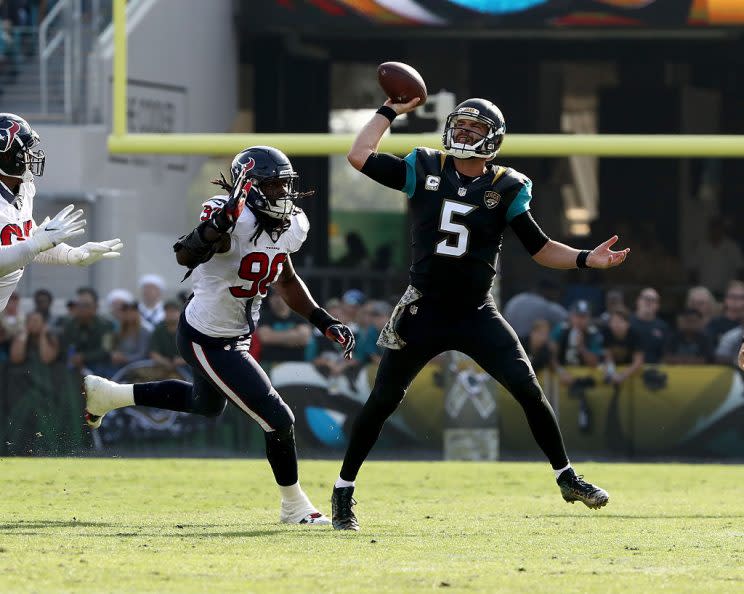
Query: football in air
[[401, 82]]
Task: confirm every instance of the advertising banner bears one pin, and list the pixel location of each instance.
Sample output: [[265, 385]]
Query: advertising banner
[[490, 14]]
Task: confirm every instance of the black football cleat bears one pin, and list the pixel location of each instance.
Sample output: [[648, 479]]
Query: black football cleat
[[574, 488], [341, 503]]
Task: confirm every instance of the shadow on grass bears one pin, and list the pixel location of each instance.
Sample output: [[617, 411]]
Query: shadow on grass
[[36, 527], [230, 534], [26, 524]]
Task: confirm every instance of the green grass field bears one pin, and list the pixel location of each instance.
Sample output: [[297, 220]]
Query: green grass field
[[119, 525]]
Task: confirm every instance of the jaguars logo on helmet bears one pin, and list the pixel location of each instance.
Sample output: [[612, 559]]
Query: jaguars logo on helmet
[[19, 156], [480, 110]]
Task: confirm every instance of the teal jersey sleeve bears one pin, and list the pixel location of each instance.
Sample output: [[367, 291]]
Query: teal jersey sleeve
[[410, 161], [521, 203]]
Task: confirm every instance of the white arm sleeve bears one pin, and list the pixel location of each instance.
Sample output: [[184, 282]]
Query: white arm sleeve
[[56, 255], [16, 256]]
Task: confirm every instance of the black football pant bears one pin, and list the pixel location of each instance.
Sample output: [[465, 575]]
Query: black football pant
[[224, 370], [431, 327]]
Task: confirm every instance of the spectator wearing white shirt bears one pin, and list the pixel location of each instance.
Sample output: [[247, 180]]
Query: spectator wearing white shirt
[[727, 351], [732, 314], [523, 309], [151, 309], [717, 260]]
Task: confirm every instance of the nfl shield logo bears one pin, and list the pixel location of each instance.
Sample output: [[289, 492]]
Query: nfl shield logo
[[461, 191], [491, 199]]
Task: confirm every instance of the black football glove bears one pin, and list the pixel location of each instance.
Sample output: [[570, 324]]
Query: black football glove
[[342, 335], [224, 220]]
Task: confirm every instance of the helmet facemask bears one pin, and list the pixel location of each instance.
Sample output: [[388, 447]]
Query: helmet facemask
[[34, 161], [485, 147], [276, 195]]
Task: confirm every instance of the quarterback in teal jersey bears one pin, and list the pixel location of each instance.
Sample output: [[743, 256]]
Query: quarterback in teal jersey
[[460, 203]]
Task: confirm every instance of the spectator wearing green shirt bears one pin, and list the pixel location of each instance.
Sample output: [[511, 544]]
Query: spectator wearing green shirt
[[87, 337], [163, 350]]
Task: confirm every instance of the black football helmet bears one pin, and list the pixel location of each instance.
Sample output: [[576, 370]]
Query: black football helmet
[[480, 110], [275, 182], [19, 156]]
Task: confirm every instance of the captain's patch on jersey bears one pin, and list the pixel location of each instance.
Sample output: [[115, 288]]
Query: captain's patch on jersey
[[432, 182], [491, 199]]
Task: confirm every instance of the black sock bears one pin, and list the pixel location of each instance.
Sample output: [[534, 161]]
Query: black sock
[[282, 455], [168, 394]]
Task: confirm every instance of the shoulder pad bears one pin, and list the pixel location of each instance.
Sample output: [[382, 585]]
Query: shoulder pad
[[428, 152], [210, 206], [218, 201], [298, 229], [512, 178]]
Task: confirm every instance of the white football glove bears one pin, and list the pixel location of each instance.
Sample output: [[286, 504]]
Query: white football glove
[[63, 226], [91, 252]]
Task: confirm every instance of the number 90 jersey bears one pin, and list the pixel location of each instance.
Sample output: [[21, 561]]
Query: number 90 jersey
[[457, 228], [228, 289]]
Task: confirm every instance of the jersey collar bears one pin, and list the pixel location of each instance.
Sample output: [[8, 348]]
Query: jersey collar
[[449, 170]]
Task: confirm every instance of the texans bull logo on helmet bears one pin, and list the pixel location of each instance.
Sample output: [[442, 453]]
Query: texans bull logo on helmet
[[7, 135], [247, 166]]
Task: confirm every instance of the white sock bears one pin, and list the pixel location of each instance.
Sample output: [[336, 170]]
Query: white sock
[[121, 394], [292, 493], [559, 471], [342, 483]]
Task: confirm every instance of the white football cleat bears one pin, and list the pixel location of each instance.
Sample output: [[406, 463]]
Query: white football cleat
[[302, 512], [99, 399]]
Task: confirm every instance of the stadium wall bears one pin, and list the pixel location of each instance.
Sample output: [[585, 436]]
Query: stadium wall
[[187, 85]]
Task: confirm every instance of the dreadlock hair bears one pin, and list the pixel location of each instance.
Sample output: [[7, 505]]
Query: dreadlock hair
[[222, 182]]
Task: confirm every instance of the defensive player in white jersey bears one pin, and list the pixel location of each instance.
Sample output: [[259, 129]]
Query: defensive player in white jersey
[[235, 254], [21, 240]]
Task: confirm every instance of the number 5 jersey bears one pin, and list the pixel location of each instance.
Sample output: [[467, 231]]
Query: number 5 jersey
[[457, 224]]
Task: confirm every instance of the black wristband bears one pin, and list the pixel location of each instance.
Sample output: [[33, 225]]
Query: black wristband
[[581, 259], [321, 319], [387, 112]]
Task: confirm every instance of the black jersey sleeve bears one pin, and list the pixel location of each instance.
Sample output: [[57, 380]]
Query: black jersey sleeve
[[529, 233], [386, 169]]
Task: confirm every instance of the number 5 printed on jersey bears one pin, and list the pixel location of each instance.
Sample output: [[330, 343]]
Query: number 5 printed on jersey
[[254, 267], [460, 232]]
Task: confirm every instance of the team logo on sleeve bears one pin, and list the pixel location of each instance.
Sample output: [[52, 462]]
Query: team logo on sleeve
[[491, 199], [432, 182]]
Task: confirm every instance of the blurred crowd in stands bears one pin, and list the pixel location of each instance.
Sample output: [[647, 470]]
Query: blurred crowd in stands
[[18, 18], [628, 331], [104, 336], [47, 343]]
